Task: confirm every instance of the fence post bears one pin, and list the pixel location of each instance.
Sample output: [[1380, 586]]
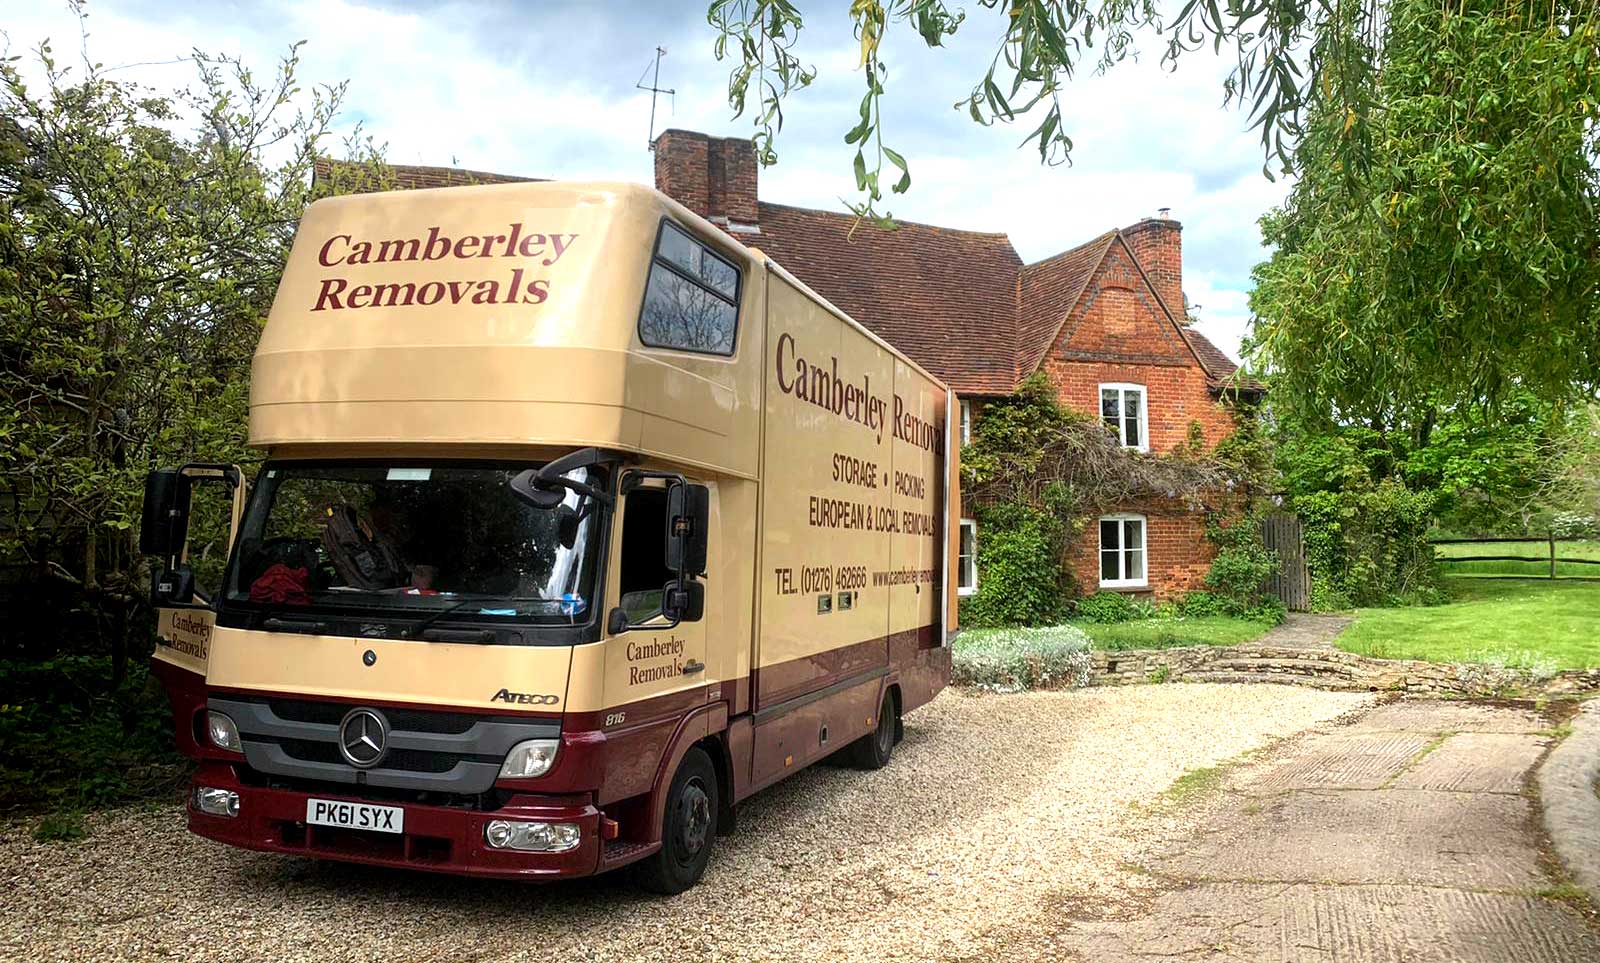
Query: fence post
[[1552, 554]]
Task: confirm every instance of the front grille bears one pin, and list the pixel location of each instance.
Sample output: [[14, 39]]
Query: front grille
[[411, 720], [410, 760], [452, 753]]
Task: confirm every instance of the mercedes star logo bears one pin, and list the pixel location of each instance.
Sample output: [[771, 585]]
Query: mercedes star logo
[[363, 738]]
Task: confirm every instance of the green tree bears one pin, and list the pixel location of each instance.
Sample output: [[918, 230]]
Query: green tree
[[1459, 267], [1440, 245], [1570, 493], [141, 240]]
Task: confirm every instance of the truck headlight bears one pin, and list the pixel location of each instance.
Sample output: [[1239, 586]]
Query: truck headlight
[[528, 759], [532, 837], [224, 734]]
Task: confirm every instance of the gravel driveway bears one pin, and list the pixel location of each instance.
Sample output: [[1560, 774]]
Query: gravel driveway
[[994, 808]]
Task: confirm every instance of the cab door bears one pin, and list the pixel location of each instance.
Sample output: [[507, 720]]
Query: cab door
[[655, 657], [191, 517]]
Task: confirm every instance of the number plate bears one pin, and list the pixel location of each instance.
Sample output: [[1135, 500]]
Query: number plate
[[349, 815]]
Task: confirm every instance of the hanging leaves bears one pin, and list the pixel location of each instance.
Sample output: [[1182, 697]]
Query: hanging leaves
[[1459, 264]]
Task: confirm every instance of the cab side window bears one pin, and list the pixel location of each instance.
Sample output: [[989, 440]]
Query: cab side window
[[692, 300], [644, 553]]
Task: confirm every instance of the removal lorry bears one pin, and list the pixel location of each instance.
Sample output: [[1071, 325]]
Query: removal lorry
[[578, 523]]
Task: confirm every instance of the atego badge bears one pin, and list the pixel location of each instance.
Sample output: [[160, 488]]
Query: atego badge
[[524, 698]]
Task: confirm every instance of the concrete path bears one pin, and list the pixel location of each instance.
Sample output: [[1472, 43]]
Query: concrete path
[[1405, 835], [1303, 630]]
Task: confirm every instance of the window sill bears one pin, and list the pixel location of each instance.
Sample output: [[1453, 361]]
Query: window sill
[[967, 593], [1129, 587]]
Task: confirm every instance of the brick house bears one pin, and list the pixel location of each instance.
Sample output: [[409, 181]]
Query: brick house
[[1104, 320]]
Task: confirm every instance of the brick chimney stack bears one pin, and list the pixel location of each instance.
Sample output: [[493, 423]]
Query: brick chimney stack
[[713, 176], [1158, 244]]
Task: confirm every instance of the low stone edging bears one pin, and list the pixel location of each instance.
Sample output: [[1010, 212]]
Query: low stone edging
[[1326, 669], [1567, 793]]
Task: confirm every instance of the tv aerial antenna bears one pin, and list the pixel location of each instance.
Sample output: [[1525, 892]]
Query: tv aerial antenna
[[656, 90]]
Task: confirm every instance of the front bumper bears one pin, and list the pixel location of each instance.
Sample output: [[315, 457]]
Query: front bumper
[[437, 838]]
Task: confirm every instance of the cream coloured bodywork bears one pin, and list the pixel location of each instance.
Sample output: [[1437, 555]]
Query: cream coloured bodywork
[[566, 372], [533, 380]]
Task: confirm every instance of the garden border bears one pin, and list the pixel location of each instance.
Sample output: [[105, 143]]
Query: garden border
[[1329, 669]]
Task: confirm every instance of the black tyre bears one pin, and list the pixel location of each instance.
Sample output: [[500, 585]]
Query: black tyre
[[688, 828], [872, 751]]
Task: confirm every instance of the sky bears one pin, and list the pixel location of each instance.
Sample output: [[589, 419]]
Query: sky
[[546, 88]]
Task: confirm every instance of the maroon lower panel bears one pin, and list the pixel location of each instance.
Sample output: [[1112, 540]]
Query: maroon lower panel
[[186, 693], [789, 742], [922, 678], [436, 838]]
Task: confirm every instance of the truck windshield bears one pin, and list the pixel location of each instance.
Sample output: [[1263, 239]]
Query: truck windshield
[[414, 539]]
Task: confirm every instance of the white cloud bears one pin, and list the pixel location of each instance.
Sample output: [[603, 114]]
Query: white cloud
[[548, 90]]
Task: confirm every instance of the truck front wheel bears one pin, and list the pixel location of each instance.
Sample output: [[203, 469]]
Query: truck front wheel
[[688, 829]]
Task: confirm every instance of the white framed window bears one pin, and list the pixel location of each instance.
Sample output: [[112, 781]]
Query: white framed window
[[967, 562], [966, 422], [1123, 409], [1122, 551]]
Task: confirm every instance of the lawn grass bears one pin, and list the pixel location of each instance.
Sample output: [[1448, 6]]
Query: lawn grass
[[1166, 633], [1586, 549], [1537, 623]]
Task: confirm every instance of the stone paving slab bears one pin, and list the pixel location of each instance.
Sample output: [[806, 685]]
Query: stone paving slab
[[1420, 715], [1478, 762], [1387, 836], [1342, 759], [1399, 836], [1319, 923]]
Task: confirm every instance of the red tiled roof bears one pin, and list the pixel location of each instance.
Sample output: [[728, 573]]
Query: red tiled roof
[[947, 298], [354, 177], [1220, 368], [1050, 289]]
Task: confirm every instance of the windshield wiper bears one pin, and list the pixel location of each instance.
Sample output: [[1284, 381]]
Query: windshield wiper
[[310, 626], [448, 610]]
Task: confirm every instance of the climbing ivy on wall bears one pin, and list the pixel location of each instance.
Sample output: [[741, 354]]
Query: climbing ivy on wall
[[1034, 471]]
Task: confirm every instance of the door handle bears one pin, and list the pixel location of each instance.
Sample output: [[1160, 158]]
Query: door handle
[[692, 666]]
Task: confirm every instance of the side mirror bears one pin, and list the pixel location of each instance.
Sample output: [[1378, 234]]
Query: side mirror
[[172, 586], [684, 601], [165, 522], [688, 525]]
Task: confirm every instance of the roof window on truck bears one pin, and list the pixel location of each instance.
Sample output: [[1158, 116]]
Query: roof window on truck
[[691, 302]]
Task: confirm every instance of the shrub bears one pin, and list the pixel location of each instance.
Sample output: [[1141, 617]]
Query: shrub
[[1573, 525], [1108, 607], [1238, 575], [65, 746], [1368, 545], [1200, 604], [1012, 660], [1019, 580], [60, 827]]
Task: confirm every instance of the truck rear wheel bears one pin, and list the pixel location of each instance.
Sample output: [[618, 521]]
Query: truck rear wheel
[[872, 751], [688, 828]]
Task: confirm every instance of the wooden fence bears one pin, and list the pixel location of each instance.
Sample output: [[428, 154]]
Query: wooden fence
[[1550, 555], [1281, 532]]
